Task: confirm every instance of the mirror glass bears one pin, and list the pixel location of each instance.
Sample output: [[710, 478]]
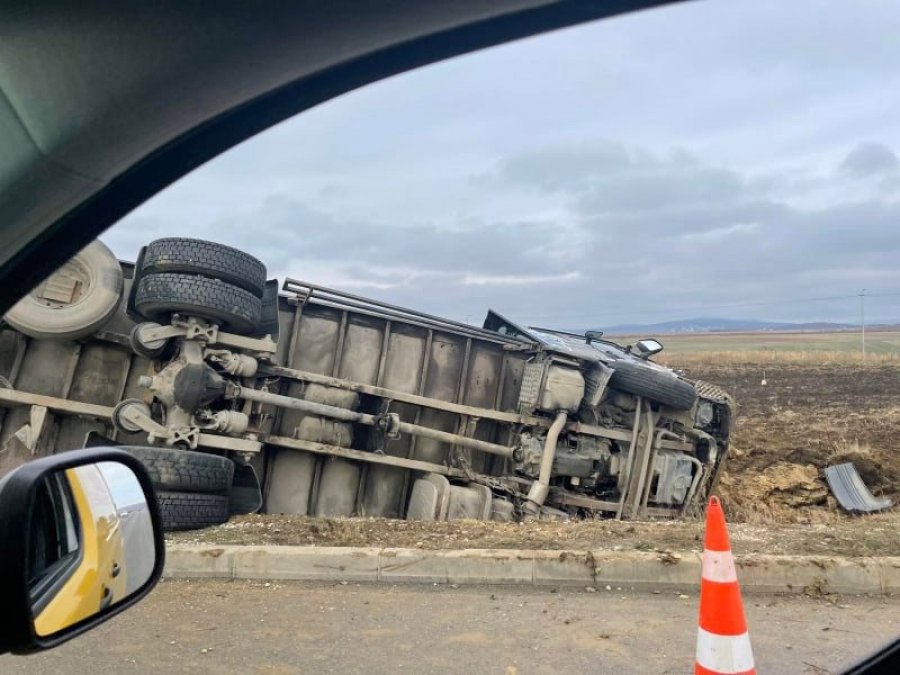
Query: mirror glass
[[649, 347], [91, 543]]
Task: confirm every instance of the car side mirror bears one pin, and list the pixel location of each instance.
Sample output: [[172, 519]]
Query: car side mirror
[[81, 540], [592, 335], [647, 348]]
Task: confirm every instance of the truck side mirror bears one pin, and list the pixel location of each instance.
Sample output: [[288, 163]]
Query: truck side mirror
[[647, 348], [81, 539]]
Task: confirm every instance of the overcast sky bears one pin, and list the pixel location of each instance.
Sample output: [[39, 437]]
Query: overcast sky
[[733, 159]]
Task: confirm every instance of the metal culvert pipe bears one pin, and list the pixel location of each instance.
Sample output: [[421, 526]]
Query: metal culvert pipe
[[540, 488]]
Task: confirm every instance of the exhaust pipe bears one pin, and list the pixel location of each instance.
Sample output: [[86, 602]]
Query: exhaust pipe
[[540, 488]]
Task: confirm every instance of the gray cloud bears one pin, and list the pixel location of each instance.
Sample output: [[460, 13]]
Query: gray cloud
[[868, 159], [639, 234], [709, 158], [499, 248]]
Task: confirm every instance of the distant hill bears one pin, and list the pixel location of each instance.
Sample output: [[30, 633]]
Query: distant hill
[[707, 325]]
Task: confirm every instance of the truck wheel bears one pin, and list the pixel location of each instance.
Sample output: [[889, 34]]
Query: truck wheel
[[75, 301], [207, 258], [160, 295], [184, 470], [656, 385], [191, 510]]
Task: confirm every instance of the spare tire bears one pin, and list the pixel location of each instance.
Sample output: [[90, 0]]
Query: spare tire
[[207, 258], [75, 301], [191, 510], [184, 470], [649, 382], [158, 296]]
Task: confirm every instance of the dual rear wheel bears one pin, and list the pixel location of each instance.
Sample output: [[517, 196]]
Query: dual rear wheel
[[200, 278], [191, 487], [224, 286]]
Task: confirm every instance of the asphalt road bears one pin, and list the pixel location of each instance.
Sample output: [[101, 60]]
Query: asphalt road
[[279, 628]]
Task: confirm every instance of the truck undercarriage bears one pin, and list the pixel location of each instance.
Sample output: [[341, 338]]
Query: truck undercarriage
[[331, 404]]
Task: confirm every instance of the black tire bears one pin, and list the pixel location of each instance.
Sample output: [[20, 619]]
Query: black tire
[[656, 385], [185, 470], [191, 510], [207, 258], [160, 295]]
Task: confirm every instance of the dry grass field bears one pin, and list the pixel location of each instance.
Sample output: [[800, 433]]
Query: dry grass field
[[882, 346]]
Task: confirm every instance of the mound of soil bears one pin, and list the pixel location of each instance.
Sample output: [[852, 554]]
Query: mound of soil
[[803, 419], [791, 484]]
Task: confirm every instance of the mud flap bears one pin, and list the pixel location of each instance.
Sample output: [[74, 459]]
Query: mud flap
[[245, 495]]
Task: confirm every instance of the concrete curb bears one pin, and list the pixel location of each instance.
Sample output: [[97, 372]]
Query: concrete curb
[[632, 569]]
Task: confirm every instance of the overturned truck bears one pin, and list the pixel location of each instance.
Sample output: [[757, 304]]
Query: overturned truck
[[241, 395]]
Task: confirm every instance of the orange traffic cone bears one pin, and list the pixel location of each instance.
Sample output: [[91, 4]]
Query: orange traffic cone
[[723, 644]]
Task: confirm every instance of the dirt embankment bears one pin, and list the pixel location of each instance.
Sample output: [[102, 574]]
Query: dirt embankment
[[804, 418], [881, 535]]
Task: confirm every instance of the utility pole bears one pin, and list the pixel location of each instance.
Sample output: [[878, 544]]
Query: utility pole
[[862, 320]]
